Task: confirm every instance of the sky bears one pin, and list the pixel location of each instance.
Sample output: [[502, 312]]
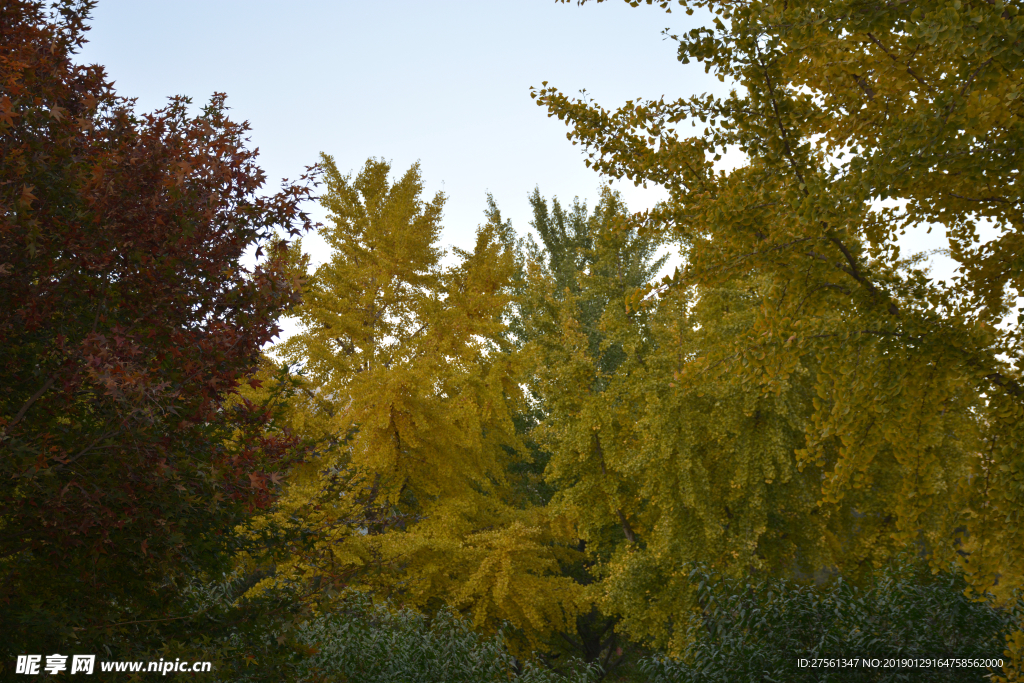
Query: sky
[[445, 83]]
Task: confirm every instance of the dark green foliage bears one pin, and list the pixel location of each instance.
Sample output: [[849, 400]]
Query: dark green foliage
[[757, 630], [592, 257], [364, 643]]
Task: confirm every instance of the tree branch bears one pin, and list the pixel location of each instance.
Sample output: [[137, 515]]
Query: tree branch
[[28, 404]]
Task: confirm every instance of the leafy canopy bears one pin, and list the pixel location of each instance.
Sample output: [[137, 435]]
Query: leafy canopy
[[125, 321], [917, 405], [412, 395]]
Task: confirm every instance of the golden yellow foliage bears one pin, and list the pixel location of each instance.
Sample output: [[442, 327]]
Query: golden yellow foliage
[[914, 409], [408, 385]]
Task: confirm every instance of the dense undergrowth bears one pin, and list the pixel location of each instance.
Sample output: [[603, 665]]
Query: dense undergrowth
[[745, 630]]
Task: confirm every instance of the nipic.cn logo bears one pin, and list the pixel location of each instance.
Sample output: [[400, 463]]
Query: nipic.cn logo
[[34, 665], [56, 663]]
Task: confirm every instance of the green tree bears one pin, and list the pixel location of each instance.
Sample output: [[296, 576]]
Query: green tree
[[649, 471], [581, 256], [578, 340]]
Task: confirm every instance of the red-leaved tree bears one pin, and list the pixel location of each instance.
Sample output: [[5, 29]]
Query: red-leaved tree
[[126, 319]]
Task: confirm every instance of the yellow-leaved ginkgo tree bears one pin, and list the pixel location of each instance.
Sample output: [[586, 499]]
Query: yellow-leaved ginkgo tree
[[410, 389], [916, 404]]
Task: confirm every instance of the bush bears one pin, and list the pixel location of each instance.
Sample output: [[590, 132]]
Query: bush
[[757, 631], [366, 643]]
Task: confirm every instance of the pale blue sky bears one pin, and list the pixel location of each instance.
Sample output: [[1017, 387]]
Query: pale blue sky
[[445, 82]]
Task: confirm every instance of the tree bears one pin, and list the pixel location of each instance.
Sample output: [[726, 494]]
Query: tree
[[412, 394], [916, 404], [581, 255], [577, 339], [126, 320], [650, 472]]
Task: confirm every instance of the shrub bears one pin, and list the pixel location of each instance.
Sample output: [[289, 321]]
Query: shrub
[[757, 630], [368, 643]]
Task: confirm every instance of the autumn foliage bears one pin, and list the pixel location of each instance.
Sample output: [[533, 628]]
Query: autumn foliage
[[913, 412], [536, 436], [125, 318]]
